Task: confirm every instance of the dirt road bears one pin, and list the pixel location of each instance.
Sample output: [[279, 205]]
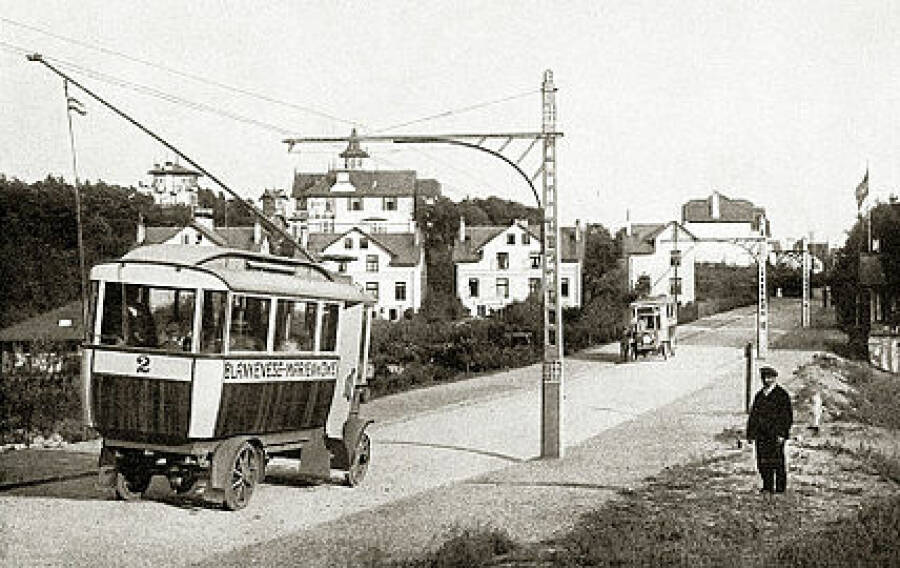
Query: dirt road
[[422, 440]]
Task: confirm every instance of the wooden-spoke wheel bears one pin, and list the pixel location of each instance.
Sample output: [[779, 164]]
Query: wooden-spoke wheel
[[246, 472], [359, 460], [132, 483]]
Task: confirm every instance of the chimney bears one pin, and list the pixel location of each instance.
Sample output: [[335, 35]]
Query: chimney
[[203, 217], [628, 222], [257, 232], [462, 228], [714, 205], [577, 230], [141, 230]]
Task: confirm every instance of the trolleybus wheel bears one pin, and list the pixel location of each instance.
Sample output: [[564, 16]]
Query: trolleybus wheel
[[130, 486], [246, 470], [359, 460]]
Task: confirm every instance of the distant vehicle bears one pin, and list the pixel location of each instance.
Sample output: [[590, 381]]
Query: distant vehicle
[[651, 329], [203, 362]]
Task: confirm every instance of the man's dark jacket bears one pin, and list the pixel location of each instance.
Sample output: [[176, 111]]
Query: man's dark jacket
[[771, 416]]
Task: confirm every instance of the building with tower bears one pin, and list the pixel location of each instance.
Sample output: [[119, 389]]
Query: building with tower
[[361, 222], [173, 184]]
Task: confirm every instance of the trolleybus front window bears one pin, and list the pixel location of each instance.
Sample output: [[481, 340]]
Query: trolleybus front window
[[249, 324], [155, 318], [295, 326]]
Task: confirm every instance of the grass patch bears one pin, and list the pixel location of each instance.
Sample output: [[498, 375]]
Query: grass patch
[[462, 548], [31, 465], [871, 538]]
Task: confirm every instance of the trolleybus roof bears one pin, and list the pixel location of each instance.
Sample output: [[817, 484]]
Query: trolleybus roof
[[261, 273]]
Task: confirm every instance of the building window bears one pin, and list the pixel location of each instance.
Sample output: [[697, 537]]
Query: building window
[[392, 314], [348, 243], [371, 263], [502, 260], [354, 203], [510, 239], [372, 288], [503, 287], [534, 285], [526, 239], [481, 311], [342, 266], [564, 288], [535, 261], [473, 287], [363, 243], [675, 286], [400, 291], [390, 203]]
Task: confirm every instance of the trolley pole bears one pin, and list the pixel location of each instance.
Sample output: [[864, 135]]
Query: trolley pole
[[762, 305], [552, 371]]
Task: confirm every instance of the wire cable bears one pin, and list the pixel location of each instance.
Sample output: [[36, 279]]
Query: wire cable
[[184, 74]]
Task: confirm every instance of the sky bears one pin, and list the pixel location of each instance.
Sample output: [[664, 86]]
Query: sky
[[785, 104]]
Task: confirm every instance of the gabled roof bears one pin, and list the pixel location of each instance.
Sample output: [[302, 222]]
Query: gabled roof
[[401, 246], [378, 183], [234, 237], [47, 326], [643, 237], [469, 250], [730, 211]]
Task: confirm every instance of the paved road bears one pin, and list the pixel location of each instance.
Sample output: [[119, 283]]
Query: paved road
[[422, 440]]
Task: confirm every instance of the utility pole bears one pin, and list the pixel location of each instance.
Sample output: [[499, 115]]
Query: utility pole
[[805, 267], [552, 371], [762, 304]]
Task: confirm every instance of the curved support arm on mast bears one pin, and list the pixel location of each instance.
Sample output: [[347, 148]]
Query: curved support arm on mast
[[401, 140]]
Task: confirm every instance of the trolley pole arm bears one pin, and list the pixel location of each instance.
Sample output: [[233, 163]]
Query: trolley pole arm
[[270, 226]]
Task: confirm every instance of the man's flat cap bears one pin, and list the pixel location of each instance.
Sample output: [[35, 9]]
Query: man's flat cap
[[767, 372]]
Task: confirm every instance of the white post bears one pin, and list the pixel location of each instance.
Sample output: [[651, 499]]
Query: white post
[[762, 305]]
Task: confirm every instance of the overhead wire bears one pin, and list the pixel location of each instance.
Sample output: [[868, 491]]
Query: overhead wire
[[184, 74]]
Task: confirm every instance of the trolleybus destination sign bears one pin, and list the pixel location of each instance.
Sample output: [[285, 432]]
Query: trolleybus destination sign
[[288, 369]]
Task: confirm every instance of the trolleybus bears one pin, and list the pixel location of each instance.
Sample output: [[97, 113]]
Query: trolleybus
[[203, 362]]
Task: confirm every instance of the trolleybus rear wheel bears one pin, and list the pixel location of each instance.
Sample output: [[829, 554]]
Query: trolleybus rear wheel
[[246, 472], [359, 460], [130, 486]]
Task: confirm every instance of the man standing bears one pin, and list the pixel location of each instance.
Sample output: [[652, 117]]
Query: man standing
[[769, 426]]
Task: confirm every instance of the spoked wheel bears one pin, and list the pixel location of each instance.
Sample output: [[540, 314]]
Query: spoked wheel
[[359, 460], [132, 483], [246, 472]]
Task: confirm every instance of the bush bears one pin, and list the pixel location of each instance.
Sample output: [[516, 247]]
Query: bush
[[42, 397]]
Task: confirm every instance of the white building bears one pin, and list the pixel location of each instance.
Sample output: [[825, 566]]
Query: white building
[[356, 219], [173, 184], [495, 266], [665, 254], [390, 266], [724, 228]]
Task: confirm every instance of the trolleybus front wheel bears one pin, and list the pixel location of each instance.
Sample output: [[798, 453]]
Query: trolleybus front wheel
[[359, 460], [246, 472]]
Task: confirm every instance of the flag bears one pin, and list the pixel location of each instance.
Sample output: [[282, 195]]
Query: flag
[[75, 105], [862, 190]]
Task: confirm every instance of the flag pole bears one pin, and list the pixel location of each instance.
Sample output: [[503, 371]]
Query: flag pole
[[84, 299]]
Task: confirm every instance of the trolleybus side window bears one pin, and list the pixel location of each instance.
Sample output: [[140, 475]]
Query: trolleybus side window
[[161, 318], [111, 332], [213, 322], [249, 323], [329, 328], [295, 326]]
